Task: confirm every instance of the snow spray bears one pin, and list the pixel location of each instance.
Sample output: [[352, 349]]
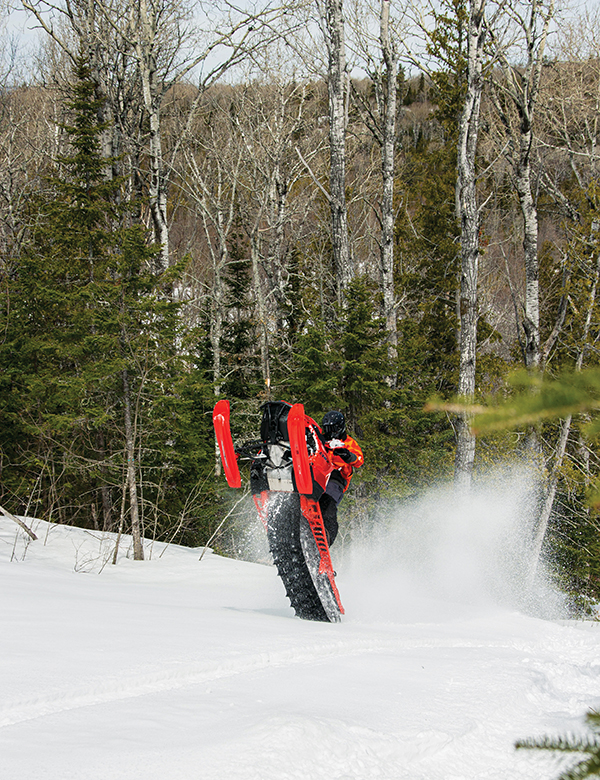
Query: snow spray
[[248, 535], [444, 553]]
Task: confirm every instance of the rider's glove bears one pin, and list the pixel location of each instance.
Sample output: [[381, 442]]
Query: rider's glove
[[345, 454]]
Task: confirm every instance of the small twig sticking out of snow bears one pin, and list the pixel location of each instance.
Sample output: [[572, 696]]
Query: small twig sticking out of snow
[[222, 523], [120, 533], [19, 522]]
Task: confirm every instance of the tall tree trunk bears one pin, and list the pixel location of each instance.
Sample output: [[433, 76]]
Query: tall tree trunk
[[216, 324], [131, 480], [525, 98], [263, 324], [145, 30], [468, 212], [278, 274], [388, 149], [541, 524], [531, 314], [107, 522], [332, 16], [216, 320], [531, 319], [105, 490], [520, 86]]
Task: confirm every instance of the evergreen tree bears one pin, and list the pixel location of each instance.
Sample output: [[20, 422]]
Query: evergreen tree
[[586, 747], [315, 376], [447, 43], [89, 361], [364, 357], [427, 283]]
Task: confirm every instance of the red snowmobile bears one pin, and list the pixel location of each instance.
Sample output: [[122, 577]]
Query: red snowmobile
[[289, 470]]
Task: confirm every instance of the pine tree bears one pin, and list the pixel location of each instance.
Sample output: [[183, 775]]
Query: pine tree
[[90, 363], [586, 747], [364, 357], [315, 376], [427, 281], [240, 358]]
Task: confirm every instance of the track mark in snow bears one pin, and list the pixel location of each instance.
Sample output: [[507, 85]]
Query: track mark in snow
[[141, 685]]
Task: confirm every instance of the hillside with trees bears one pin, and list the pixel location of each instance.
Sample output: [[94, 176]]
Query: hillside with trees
[[355, 206]]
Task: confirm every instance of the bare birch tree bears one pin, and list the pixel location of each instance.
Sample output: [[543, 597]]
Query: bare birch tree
[[271, 124], [388, 153], [157, 44], [331, 16], [569, 103], [209, 174], [519, 89], [468, 212], [382, 67]]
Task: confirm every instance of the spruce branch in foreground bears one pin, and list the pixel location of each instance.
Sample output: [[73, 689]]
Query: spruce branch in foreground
[[588, 746], [536, 398]]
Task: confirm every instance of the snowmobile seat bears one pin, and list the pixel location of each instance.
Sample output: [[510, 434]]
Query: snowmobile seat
[[273, 427]]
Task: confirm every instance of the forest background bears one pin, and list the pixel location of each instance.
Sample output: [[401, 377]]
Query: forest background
[[353, 205]]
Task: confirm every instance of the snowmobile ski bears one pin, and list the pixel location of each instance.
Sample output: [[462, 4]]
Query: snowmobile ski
[[296, 430], [223, 433]]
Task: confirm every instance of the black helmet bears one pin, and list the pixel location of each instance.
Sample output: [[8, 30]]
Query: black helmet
[[334, 425]]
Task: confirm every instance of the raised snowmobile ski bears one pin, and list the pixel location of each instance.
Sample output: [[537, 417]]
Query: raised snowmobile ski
[[221, 414], [296, 430], [289, 470]]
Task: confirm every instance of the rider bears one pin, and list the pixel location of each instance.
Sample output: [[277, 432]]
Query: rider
[[346, 455]]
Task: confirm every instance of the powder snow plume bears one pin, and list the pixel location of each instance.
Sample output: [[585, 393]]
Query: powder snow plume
[[441, 552]]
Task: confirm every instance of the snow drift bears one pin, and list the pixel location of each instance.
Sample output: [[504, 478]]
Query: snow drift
[[179, 668]]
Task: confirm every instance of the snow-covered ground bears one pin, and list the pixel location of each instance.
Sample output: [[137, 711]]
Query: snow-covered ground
[[181, 669]]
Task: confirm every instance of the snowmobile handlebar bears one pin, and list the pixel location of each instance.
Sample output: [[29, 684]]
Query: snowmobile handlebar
[[250, 450]]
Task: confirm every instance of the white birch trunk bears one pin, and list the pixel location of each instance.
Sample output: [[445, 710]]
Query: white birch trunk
[[277, 250], [521, 86], [157, 192], [468, 213], [332, 15], [388, 150], [216, 334], [531, 319], [131, 479], [216, 320], [261, 309]]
